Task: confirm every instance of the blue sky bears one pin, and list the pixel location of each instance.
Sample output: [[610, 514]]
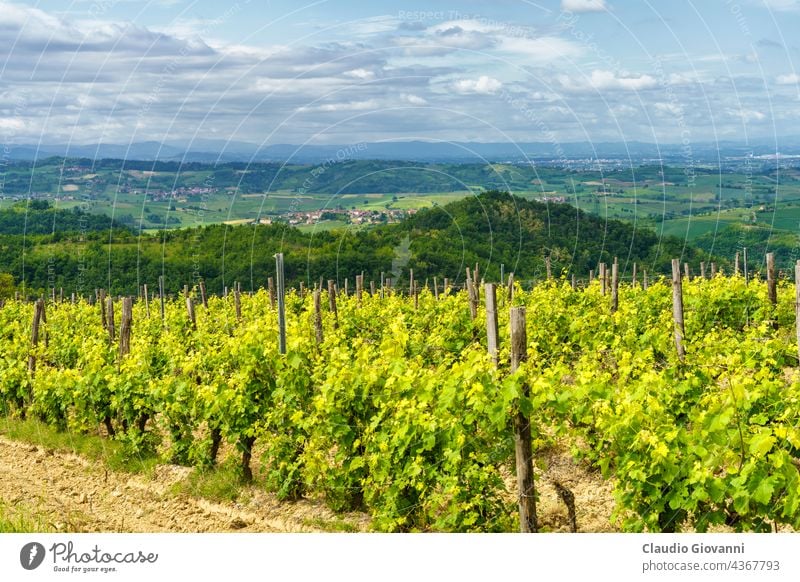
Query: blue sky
[[336, 71]]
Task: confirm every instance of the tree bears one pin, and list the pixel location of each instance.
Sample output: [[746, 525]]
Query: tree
[[6, 285]]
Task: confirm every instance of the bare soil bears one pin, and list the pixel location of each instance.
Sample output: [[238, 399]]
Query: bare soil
[[65, 492]]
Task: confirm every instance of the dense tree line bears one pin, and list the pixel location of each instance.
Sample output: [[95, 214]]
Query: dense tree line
[[493, 228]]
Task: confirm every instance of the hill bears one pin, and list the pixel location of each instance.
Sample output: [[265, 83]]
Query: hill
[[491, 229]]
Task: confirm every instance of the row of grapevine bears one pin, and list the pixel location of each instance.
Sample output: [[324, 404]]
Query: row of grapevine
[[396, 405]]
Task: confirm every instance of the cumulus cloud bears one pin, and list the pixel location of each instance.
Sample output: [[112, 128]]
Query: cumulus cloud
[[483, 85], [583, 5], [788, 79], [413, 99], [601, 80]]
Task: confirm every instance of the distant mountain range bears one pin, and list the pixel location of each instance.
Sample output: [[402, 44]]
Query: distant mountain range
[[206, 150]]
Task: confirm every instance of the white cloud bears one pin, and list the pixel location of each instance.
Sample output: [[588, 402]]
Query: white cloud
[[779, 5], [583, 5], [413, 99], [747, 115], [483, 85], [608, 81], [362, 74], [788, 79], [344, 106]]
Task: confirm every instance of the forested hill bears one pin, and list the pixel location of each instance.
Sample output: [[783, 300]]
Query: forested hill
[[40, 217], [491, 229]]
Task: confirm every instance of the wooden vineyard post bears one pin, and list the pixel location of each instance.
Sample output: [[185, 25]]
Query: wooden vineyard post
[[491, 322], [614, 286], [271, 288], [523, 447], [633, 276], [510, 286], [772, 289], [416, 296], [473, 311], [345, 287], [736, 264], [677, 308], [110, 319], [38, 309], [302, 290], [237, 299], [161, 295], [436, 288], [190, 311], [332, 303], [383, 283], [146, 301], [573, 282], [281, 303], [203, 296], [72, 298], [185, 290], [547, 267], [502, 273], [713, 270], [446, 286], [686, 271], [644, 280], [702, 269], [125, 327], [591, 276], [101, 299], [797, 305], [318, 315], [744, 265], [359, 288], [410, 282], [372, 288], [602, 276]]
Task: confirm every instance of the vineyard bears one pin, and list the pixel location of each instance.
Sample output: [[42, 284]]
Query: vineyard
[[398, 404]]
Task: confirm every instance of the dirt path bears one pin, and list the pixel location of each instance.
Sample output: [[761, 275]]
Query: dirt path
[[66, 492]]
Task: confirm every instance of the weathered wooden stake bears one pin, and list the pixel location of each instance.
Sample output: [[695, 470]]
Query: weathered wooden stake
[[633, 276], [372, 288], [271, 289], [203, 296], [110, 319], [146, 301], [473, 308], [686, 271], [574, 283], [318, 315], [281, 291], [190, 311], [38, 309], [677, 308], [410, 282], [772, 287], [644, 280], [161, 295], [237, 299], [702, 269], [436, 288], [797, 305], [522, 430], [614, 285], [547, 266], [736, 264], [491, 322], [510, 286], [744, 265], [332, 302], [713, 270], [125, 323], [359, 288], [603, 278]]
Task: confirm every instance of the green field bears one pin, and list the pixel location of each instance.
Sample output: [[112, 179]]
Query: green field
[[666, 199]]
